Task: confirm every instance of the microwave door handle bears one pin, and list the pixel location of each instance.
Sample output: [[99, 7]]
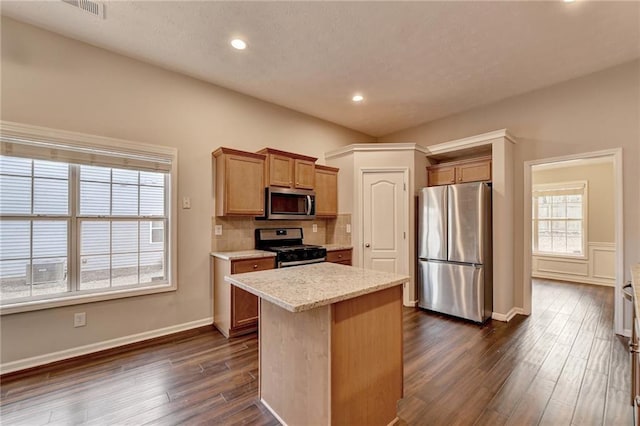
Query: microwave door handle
[[308, 212]]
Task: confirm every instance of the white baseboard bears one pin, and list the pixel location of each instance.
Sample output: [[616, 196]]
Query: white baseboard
[[508, 316], [579, 280], [273, 412], [626, 332], [35, 361], [411, 304]]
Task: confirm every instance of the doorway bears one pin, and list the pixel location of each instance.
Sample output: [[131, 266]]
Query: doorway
[[573, 224]]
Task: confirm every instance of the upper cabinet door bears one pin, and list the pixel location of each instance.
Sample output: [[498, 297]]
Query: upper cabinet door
[[280, 171], [305, 174], [288, 170], [441, 175], [239, 183], [474, 172], [326, 191]]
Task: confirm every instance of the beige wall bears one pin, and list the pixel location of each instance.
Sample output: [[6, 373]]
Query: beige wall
[[52, 81], [596, 112], [601, 191]]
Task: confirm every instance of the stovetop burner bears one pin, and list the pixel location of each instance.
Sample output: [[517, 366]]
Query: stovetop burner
[[288, 246]]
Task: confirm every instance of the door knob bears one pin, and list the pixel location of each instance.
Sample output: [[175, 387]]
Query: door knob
[[367, 245]]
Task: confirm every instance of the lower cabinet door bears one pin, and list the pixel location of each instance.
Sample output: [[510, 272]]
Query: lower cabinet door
[[245, 308]]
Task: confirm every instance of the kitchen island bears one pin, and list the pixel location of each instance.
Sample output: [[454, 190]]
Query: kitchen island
[[330, 343]]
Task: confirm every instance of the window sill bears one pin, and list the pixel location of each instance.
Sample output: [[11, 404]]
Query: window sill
[[82, 299], [561, 256]]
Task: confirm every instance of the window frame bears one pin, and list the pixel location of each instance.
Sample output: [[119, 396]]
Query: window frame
[[553, 189], [17, 133], [151, 229]]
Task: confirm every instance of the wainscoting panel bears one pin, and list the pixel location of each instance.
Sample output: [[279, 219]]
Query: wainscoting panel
[[597, 268]]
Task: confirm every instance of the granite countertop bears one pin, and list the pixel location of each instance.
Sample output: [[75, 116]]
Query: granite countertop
[[334, 247], [244, 254], [635, 282], [301, 288]]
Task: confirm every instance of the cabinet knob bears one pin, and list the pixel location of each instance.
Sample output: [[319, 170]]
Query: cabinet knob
[[255, 266], [367, 245], [339, 256]]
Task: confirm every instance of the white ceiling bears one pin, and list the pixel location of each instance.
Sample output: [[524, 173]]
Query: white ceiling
[[413, 61]]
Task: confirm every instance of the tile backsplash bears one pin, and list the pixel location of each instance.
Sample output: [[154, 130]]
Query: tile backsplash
[[238, 232]]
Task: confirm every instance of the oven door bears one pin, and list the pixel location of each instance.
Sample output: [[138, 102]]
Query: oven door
[[296, 204]]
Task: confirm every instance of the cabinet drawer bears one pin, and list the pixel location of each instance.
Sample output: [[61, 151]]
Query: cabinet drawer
[[250, 265], [339, 256]]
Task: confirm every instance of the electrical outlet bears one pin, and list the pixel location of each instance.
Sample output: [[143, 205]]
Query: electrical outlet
[[186, 203], [348, 228], [314, 228], [80, 319], [217, 229]]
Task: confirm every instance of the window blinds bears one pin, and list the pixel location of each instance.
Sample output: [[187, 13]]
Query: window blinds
[[83, 149]]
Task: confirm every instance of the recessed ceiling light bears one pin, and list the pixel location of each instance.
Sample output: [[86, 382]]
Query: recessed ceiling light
[[238, 44], [357, 98], [568, 1]]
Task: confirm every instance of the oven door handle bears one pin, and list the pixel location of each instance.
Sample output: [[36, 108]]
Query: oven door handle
[[300, 262]]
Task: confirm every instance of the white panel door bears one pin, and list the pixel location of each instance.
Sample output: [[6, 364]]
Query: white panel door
[[383, 207]]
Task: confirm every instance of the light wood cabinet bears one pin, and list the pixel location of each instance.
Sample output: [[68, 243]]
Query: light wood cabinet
[[288, 170], [326, 191], [470, 170], [342, 257], [235, 311], [239, 182]]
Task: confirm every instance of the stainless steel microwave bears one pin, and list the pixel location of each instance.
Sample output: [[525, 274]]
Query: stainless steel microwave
[[286, 203]]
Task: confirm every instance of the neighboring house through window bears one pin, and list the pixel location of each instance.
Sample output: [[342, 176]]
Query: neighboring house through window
[[560, 219], [82, 220]]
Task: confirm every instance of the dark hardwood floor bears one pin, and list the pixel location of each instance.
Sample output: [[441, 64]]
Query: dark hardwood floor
[[562, 365]]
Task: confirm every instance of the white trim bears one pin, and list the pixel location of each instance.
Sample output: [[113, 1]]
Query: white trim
[[626, 332], [363, 147], [470, 142], [20, 130], [411, 304], [574, 163], [616, 155], [565, 277], [508, 316], [36, 361], [272, 411], [79, 299]]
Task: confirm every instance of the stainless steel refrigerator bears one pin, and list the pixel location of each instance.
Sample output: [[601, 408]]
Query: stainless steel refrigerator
[[455, 252]]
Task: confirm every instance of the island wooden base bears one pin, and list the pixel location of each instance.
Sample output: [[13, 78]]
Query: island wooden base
[[339, 364]]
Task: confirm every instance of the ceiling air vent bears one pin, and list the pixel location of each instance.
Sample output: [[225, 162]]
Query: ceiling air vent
[[93, 7]]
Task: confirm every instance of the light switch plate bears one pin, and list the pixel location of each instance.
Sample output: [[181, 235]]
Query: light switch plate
[[348, 228], [217, 229], [314, 227], [186, 203]]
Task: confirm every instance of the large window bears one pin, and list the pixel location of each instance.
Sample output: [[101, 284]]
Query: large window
[[77, 226], [559, 219]]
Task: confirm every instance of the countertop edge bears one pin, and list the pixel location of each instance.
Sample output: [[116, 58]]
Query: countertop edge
[[313, 305], [336, 247], [243, 254]]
